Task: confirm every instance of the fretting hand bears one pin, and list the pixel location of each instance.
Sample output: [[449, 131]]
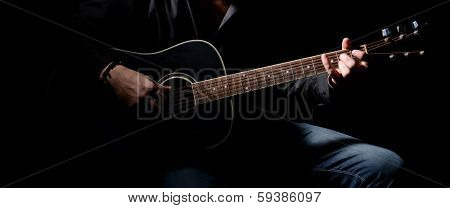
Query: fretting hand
[[346, 64]]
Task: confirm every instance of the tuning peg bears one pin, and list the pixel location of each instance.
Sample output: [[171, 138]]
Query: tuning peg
[[385, 32], [415, 27], [393, 55], [400, 29]]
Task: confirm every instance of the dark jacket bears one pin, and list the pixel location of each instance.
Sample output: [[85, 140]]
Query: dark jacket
[[151, 25]]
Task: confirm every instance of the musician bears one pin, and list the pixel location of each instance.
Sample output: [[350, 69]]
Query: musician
[[330, 158]]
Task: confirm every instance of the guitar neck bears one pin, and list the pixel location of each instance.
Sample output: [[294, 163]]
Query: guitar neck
[[260, 78]]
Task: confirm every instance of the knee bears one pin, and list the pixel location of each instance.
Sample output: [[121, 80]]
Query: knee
[[379, 164]]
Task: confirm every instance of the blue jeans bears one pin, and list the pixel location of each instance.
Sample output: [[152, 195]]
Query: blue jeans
[[329, 158]]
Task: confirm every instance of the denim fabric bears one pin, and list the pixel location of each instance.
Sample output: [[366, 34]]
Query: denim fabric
[[335, 160]]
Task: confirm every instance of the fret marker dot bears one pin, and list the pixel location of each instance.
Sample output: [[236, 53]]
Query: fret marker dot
[[307, 67], [246, 88], [225, 86]]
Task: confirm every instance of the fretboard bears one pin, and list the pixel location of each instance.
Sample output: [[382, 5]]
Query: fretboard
[[260, 78]]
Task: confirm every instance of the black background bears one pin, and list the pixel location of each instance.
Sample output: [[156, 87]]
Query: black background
[[405, 107]]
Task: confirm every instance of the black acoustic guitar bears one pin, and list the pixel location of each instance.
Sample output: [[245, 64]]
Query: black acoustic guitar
[[201, 95]]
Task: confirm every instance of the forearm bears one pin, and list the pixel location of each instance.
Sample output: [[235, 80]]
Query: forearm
[[315, 90]]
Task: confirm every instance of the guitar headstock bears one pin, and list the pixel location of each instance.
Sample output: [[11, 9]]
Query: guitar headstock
[[392, 37]]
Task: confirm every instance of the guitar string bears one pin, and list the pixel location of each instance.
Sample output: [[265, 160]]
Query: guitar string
[[259, 81], [230, 87], [260, 72], [268, 68], [254, 82], [212, 98], [318, 70], [281, 64], [284, 65], [192, 102]]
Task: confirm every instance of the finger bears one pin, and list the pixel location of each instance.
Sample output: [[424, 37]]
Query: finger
[[343, 69], [326, 63], [166, 88], [346, 44], [362, 64], [336, 76], [358, 54], [347, 60]]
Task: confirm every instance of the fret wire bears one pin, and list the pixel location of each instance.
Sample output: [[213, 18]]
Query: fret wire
[[263, 84], [265, 80], [231, 84], [282, 74], [275, 78], [227, 86], [243, 80], [323, 71], [302, 68], [193, 92], [288, 71], [272, 77], [199, 91], [313, 57], [272, 66], [235, 87], [258, 76], [292, 72], [242, 86], [250, 79], [246, 81], [255, 74], [205, 92], [205, 89], [259, 83], [279, 78], [210, 89], [222, 92], [314, 68]]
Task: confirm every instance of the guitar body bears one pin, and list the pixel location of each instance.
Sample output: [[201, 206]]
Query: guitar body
[[190, 123], [198, 110]]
